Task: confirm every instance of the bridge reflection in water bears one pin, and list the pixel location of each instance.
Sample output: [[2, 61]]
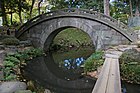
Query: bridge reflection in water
[[48, 74]]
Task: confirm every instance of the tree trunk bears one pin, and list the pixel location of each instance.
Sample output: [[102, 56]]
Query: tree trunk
[[11, 18], [19, 11], [4, 17], [106, 7], [131, 13], [39, 6], [33, 2], [137, 8]]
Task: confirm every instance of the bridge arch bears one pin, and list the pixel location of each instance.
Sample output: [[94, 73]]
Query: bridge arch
[[52, 35], [43, 28]]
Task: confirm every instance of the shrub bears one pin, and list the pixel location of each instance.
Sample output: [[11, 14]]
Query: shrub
[[94, 61], [10, 41], [136, 28], [5, 36], [130, 66], [12, 61]]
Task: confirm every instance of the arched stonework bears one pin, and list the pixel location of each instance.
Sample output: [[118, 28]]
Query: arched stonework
[[42, 35], [103, 30]]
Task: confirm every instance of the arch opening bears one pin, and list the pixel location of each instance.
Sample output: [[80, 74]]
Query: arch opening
[[68, 37]]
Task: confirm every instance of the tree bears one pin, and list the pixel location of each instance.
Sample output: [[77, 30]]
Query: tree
[[11, 7], [137, 7], [120, 10], [3, 12], [134, 6], [39, 3], [106, 7], [31, 9], [95, 5], [130, 4]]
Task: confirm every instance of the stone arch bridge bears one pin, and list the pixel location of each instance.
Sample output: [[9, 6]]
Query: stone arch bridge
[[102, 29]]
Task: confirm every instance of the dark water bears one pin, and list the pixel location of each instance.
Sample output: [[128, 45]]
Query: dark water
[[130, 88], [61, 72]]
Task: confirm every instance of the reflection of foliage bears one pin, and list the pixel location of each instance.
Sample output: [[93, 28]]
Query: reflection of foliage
[[94, 61], [130, 66], [12, 62], [72, 53]]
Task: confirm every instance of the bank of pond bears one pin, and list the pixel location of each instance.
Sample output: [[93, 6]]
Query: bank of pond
[[65, 72]]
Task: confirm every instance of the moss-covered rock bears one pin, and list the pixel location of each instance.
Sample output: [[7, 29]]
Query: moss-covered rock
[[10, 41]]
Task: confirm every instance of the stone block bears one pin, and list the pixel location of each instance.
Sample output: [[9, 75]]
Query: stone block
[[47, 91], [23, 91], [2, 47], [11, 87]]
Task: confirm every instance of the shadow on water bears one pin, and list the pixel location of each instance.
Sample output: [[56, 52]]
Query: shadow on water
[[130, 88], [63, 77]]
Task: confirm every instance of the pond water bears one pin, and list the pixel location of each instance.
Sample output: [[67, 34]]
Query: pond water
[[130, 88], [61, 72]]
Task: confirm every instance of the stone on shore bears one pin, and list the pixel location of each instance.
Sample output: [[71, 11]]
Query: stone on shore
[[11, 87], [23, 91], [47, 91]]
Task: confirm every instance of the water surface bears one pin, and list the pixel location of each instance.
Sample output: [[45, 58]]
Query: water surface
[[61, 72]]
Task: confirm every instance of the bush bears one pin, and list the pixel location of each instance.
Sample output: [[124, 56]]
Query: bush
[[94, 61], [131, 55], [130, 66], [10, 41], [5, 36], [136, 28], [12, 61]]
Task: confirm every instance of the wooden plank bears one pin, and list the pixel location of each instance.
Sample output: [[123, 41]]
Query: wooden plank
[[109, 78], [100, 86], [113, 85], [118, 80]]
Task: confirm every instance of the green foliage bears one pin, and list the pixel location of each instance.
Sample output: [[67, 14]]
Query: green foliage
[[94, 61], [9, 64], [10, 77], [71, 37], [34, 52], [119, 8], [136, 28], [130, 66], [86, 4], [129, 56], [95, 5], [12, 61], [4, 37], [120, 11], [10, 41]]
